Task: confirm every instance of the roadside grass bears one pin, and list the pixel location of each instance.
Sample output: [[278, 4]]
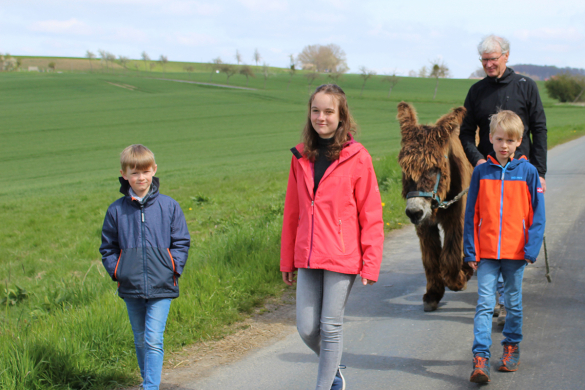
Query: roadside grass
[[222, 154]]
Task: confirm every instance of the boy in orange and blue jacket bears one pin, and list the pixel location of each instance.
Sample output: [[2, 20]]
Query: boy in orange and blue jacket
[[503, 231]]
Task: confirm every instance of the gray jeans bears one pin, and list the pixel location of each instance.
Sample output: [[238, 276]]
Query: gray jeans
[[321, 299]]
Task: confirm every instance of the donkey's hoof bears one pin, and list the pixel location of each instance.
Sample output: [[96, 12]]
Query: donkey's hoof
[[430, 306]]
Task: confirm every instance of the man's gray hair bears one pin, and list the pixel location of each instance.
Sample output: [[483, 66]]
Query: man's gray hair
[[492, 44]]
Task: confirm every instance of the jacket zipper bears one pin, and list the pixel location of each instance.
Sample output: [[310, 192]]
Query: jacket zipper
[[143, 250], [501, 211], [312, 232], [341, 235]]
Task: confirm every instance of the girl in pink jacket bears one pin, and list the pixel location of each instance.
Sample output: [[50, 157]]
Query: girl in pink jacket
[[333, 228]]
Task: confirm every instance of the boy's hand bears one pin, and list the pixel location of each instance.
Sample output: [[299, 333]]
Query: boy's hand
[[473, 264], [528, 261]]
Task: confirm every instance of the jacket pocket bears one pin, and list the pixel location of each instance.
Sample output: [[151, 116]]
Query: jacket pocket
[[116, 269], [524, 231], [478, 236], [161, 270], [341, 236], [130, 271], [173, 262]]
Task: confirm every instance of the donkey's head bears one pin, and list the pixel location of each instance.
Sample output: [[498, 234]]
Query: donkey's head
[[424, 159]]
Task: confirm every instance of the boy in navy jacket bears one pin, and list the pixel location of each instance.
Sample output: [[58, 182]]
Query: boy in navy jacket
[[503, 231], [145, 243]]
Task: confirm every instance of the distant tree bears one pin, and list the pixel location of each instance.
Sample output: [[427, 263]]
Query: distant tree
[[479, 73], [145, 58], [257, 56], [152, 65], [90, 56], [329, 58], [104, 55], [423, 72], [565, 87], [245, 70], [52, 66], [111, 58], [365, 74], [163, 60], [123, 61], [189, 69], [311, 76], [136, 66], [392, 80], [265, 72], [228, 69], [238, 57], [412, 73], [215, 66], [9, 63], [438, 70], [292, 70]]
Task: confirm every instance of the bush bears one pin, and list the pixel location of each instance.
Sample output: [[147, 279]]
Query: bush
[[565, 87]]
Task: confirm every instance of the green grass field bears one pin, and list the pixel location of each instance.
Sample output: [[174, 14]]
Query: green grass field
[[222, 153]]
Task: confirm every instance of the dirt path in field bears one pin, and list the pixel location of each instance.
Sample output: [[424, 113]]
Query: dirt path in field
[[272, 322], [202, 83]]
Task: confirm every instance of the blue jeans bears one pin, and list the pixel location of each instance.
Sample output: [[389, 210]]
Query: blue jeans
[[501, 290], [148, 318], [321, 299], [487, 279]]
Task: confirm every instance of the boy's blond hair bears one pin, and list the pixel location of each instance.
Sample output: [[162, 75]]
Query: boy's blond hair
[[509, 122], [136, 157]]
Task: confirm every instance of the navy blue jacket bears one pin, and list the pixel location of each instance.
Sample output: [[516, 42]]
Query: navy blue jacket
[[145, 245]]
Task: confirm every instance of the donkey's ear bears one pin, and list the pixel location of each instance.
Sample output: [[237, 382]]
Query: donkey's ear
[[406, 115], [451, 121]]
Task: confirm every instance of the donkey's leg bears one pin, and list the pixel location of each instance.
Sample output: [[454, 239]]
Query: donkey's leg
[[453, 269], [430, 247]]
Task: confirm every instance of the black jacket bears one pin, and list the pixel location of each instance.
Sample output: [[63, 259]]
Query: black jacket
[[145, 245], [510, 92]]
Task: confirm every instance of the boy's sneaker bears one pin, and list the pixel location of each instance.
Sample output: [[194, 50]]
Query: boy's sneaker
[[481, 370], [339, 380], [502, 316], [511, 358]]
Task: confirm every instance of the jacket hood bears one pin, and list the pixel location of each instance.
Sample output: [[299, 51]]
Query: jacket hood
[[514, 162], [153, 193], [506, 78]]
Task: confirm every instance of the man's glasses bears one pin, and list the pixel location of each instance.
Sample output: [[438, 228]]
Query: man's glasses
[[486, 60]]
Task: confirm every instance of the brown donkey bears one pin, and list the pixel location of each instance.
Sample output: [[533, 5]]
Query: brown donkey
[[434, 171]]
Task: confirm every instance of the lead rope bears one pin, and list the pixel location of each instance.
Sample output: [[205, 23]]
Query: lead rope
[[444, 205]]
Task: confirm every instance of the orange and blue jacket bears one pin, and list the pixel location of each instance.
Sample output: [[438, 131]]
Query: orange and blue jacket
[[504, 216]]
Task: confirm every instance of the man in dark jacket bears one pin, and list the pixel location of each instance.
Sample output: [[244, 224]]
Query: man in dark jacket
[[503, 89]]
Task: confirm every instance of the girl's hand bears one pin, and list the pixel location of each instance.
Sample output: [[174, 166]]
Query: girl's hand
[[473, 264], [528, 261], [288, 278], [367, 281]]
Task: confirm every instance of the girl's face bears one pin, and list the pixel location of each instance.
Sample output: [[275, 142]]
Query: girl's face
[[325, 114]]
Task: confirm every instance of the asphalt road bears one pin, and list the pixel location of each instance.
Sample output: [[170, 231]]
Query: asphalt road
[[390, 343]]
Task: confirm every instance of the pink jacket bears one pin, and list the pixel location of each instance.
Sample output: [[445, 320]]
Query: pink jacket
[[340, 228]]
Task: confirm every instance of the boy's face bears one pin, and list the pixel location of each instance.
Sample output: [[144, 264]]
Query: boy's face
[[504, 145], [139, 179]]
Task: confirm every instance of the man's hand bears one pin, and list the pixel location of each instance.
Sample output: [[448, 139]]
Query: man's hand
[[543, 184], [473, 264], [480, 161], [367, 281]]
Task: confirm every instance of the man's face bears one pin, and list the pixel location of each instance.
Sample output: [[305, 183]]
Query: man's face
[[494, 63]]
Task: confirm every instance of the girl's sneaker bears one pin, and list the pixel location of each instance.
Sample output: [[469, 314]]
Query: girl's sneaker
[[339, 380], [511, 358], [481, 370]]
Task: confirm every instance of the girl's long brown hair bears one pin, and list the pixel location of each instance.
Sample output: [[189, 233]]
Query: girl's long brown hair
[[346, 125]]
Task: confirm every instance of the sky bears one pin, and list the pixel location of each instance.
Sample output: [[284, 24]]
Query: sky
[[382, 35]]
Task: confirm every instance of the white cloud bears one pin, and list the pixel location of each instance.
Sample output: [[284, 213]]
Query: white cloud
[[265, 5], [71, 26], [554, 34], [192, 39]]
